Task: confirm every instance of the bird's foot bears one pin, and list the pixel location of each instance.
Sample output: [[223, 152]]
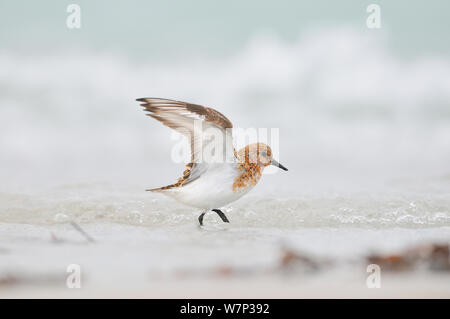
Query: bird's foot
[[221, 215], [200, 218], [218, 211]]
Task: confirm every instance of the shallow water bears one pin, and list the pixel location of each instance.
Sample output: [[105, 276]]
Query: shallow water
[[98, 203], [153, 247]]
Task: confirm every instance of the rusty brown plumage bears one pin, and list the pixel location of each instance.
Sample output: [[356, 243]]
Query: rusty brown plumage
[[250, 175], [252, 160], [181, 181]]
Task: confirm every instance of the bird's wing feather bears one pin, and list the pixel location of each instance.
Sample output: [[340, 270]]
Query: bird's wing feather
[[208, 131]]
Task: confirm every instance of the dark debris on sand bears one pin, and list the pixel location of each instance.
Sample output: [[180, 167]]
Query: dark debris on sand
[[433, 257], [17, 278], [430, 257]]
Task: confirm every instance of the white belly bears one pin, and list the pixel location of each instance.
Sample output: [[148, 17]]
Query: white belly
[[213, 189]]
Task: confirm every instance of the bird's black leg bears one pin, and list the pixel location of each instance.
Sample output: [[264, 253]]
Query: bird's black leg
[[200, 218], [221, 215]]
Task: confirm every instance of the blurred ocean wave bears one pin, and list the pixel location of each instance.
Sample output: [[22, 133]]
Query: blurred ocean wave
[[344, 103], [335, 73]]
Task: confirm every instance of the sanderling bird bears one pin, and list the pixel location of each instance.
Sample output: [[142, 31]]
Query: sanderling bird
[[216, 175]]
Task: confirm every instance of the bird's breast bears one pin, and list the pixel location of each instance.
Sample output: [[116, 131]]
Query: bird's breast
[[248, 177]]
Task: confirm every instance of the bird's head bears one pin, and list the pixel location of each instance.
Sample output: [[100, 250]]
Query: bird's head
[[260, 154]]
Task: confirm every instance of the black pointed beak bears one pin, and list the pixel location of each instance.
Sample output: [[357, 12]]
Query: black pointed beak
[[275, 163]]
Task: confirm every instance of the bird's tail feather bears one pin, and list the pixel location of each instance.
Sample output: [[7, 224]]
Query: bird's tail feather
[[160, 189]]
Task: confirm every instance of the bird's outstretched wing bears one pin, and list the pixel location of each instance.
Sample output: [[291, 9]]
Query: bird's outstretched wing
[[207, 130]]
